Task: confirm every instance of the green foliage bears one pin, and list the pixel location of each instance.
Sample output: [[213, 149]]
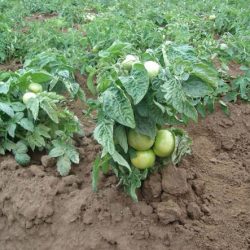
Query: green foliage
[[60, 77], [104, 135], [66, 153], [186, 86], [137, 83], [134, 101], [240, 87], [182, 145], [43, 123], [117, 106], [20, 151]]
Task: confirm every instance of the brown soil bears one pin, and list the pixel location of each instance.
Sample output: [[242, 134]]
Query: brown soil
[[11, 66], [82, 80], [234, 70], [202, 204], [41, 17]]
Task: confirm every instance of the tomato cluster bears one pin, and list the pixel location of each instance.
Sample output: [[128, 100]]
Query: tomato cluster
[[34, 89], [146, 148]]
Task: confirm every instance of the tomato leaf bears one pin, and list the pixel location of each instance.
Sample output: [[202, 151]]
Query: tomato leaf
[[43, 130], [2, 150], [22, 159], [224, 108], [20, 151], [95, 173], [103, 133], [206, 73], [11, 129], [7, 109], [145, 126], [176, 97], [190, 111], [99, 164], [33, 106], [26, 124], [57, 151], [194, 88], [63, 165], [117, 106], [4, 87], [37, 76], [182, 145], [114, 50], [148, 107], [242, 85], [120, 160], [18, 106], [121, 136], [90, 82], [48, 108], [201, 109], [35, 139], [137, 83], [72, 154]]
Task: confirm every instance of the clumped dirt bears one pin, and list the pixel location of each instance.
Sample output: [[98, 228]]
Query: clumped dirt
[[41, 17], [233, 71], [201, 204], [12, 65]]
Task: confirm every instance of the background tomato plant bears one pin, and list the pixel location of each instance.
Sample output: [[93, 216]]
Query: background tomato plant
[[41, 122]]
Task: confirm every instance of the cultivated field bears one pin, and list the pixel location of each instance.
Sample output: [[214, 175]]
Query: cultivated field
[[124, 125]]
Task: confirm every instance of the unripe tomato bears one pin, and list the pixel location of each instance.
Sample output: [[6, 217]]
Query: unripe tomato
[[27, 96], [212, 17], [139, 141], [128, 62], [35, 87], [223, 46], [164, 143], [153, 68], [143, 159]]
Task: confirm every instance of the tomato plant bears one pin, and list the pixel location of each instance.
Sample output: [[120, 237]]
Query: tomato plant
[[36, 121], [134, 107]]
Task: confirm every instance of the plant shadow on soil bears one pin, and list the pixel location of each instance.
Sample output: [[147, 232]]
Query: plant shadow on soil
[[201, 204]]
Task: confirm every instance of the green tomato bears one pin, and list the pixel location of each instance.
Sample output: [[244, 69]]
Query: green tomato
[[164, 143], [90, 16], [27, 96], [129, 61], [139, 141], [35, 87], [143, 159], [153, 68], [95, 49], [212, 17], [223, 46]]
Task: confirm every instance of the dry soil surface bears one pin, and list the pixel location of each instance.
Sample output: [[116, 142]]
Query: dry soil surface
[[201, 204]]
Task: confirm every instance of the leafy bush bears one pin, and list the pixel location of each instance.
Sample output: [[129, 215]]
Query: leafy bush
[[39, 121], [133, 99]]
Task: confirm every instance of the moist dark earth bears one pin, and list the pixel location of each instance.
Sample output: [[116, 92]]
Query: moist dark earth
[[201, 204]]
